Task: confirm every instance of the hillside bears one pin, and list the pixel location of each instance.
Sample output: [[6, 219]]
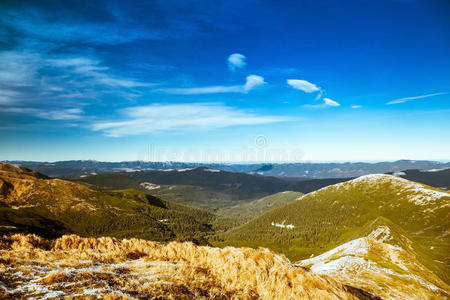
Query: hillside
[[247, 211], [381, 263], [33, 203], [324, 219], [128, 269]]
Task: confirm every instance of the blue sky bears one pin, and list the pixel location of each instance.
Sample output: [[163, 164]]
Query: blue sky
[[225, 80]]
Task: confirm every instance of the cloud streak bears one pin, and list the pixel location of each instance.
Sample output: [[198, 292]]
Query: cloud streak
[[153, 118], [408, 99], [252, 82], [54, 115], [327, 103]]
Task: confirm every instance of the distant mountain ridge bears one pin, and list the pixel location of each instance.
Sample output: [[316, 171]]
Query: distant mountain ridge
[[76, 168]]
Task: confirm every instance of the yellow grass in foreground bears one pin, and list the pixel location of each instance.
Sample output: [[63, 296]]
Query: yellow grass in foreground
[[74, 267]]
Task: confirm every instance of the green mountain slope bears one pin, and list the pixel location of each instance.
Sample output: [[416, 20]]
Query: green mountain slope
[[247, 211], [383, 262], [50, 207], [324, 219]]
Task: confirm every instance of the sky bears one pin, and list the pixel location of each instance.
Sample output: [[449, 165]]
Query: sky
[[225, 81]]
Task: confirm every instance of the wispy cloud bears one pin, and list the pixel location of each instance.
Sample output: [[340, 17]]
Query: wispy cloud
[[162, 117], [92, 68], [407, 99], [56, 114], [303, 85], [252, 81], [236, 61], [30, 78], [356, 106], [35, 24], [330, 102], [327, 102]]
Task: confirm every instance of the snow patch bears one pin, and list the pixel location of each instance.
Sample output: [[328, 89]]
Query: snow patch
[[381, 234], [399, 173], [435, 170], [282, 225], [149, 186]]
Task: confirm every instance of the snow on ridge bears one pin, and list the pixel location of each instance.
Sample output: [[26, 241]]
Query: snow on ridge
[[355, 247], [212, 170], [416, 193], [351, 260], [381, 234]]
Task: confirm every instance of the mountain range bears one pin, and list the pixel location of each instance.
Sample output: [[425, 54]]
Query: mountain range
[[311, 170]]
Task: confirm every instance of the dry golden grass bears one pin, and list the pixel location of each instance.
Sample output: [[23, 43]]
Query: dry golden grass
[[74, 267]]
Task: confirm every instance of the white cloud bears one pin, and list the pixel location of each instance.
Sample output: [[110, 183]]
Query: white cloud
[[252, 81], [161, 117], [330, 102], [356, 106], [407, 99], [303, 85], [327, 102], [236, 61]]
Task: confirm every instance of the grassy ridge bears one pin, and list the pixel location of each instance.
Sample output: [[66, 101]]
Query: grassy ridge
[[331, 216]]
